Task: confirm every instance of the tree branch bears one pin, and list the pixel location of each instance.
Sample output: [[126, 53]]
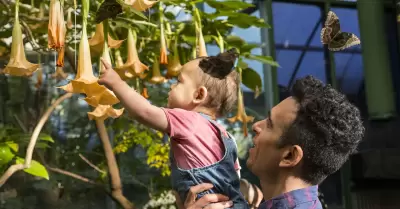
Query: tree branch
[[91, 164], [25, 6], [29, 151], [36, 19], [73, 175], [116, 186]]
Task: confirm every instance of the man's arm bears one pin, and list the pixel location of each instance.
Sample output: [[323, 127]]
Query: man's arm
[[208, 201], [136, 105]]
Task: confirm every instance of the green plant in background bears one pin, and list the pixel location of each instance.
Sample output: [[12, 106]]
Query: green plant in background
[[156, 150]]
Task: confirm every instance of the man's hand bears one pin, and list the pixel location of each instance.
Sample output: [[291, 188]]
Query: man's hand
[[108, 77], [208, 201]]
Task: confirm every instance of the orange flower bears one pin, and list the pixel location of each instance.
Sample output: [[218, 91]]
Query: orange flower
[[156, 77], [97, 41], [174, 66], [69, 18], [56, 28], [201, 47], [241, 114], [140, 5], [123, 73], [145, 93], [105, 97], [85, 82], [18, 65], [132, 64], [59, 74], [163, 48], [39, 76], [201, 50], [102, 112]]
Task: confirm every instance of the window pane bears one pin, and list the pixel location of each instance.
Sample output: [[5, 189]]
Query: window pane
[[287, 60], [313, 64], [293, 23]]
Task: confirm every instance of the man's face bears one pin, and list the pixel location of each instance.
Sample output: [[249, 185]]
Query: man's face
[[266, 157]]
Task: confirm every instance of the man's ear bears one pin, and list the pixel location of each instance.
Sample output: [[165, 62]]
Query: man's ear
[[200, 95], [291, 156]]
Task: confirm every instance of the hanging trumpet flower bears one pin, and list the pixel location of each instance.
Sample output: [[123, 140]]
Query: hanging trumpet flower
[[39, 76], [241, 115], [97, 41], [133, 64], [241, 112], [102, 112], [140, 5], [174, 66], [145, 93], [163, 48], [59, 74], [56, 30], [156, 77], [85, 82], [70, 25], [118, 63], [18, 65], [201, 49]]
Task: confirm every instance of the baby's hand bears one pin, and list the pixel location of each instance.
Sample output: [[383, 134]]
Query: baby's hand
[[108, 76]]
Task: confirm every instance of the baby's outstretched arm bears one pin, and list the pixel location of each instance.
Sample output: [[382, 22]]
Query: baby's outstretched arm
[[136, 105]]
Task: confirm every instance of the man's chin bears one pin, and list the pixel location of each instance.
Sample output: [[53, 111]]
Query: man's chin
[[249, 164]]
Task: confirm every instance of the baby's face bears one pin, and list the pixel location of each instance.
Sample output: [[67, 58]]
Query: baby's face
[[185, 90]]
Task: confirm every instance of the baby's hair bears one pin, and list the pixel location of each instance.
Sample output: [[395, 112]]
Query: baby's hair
[[221, 80]]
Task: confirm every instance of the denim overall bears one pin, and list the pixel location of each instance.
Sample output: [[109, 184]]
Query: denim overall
[[221, 174]]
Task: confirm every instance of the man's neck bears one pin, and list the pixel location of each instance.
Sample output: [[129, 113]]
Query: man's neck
[[275, 188]]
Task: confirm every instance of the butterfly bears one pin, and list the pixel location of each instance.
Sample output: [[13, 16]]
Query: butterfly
[[108, 9], [336, 39]]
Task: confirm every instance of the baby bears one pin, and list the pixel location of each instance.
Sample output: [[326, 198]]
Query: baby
[[201, 150]]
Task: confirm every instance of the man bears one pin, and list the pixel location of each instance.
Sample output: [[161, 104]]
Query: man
[[304, 139]]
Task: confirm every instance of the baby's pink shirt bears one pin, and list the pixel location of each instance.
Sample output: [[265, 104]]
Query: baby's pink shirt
[[195, 142]]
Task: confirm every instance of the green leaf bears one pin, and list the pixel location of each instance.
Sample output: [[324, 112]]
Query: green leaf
[[242, 65], [235, 41], [245, 21], [36, 168], [136, 22], [251, 79], [228, 5], [46, 137], [246, 48], [169, 15], [13, 146], [6, 155], [192, 39], [264, 59]]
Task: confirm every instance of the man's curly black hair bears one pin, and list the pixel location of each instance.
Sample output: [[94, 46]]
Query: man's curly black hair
[[328, 128]]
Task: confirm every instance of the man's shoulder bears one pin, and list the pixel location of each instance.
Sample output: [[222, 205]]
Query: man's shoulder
[[315, 204]]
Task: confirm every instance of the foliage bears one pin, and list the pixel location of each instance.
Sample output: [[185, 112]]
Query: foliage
[[11, 139], [156, 150]]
